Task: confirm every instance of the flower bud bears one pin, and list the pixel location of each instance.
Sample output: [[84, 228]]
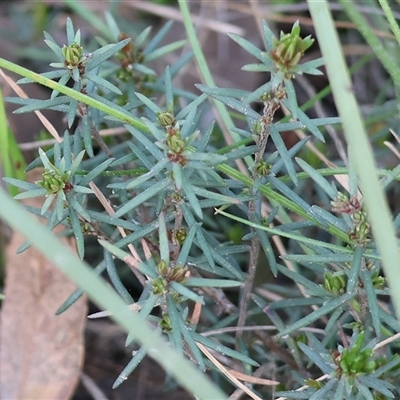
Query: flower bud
[[180, 235], [165, 119], [52, 182], [336, 284], [162, 268], [262, 168], [72, 54], [290, 48]]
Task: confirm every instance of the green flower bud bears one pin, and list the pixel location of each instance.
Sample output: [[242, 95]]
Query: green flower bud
[[162, 268], [165, 323], [262, 168], [377, 280], [369, 367], [176, 144], [159, 286], [336, 284], [353, 361], [290, 48], [180, 235], [165, 119], [72, 54], [178, 274], [52, 182]]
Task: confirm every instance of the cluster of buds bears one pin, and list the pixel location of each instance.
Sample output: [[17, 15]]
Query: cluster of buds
[[75, 59], [54, 181], [289, 49], [174, 144], [361, 228], [353, 361], [72, 55], [274, 96], [179, 235], [335, 283], [262, 168], [167, 274], [343, 205]]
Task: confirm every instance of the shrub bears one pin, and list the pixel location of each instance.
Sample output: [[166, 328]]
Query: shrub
[[167, 187]]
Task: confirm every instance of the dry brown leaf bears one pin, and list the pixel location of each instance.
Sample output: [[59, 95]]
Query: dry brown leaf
[[41, 354]]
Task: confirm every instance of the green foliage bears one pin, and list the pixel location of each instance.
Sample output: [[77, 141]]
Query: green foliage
[[165, 189]]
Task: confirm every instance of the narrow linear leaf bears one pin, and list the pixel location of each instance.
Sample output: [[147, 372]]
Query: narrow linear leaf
[[188, 189], [188, 335], [30, 194], [21, 184], [223, 349], [157, 39], [201, 241], [78, 293], [317, 314], [298, 302], [148, 103], [105, 52], [314, 258], [325, 391], [79, 209], [362, 382], [130, 367], [176, 332], [76, 228], [372, 300], [250, 48], [187, 293], [216, 196], [203, 282], [289, 193], [163, 239], [99, 81], [187, 245], [115, 279], [333, 320], [142, 197], [317, 178], [355, 269], [165, 50]]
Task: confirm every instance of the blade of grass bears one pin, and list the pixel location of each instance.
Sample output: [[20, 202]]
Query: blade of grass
[[73, 94], [364, 27], [360, 150]]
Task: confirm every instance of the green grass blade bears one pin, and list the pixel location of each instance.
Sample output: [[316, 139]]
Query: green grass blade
[[360, 150]]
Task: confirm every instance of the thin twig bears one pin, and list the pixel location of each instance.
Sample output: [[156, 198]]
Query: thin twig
[[270, 107], [50, 142], [225, 371], [46, 123]]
